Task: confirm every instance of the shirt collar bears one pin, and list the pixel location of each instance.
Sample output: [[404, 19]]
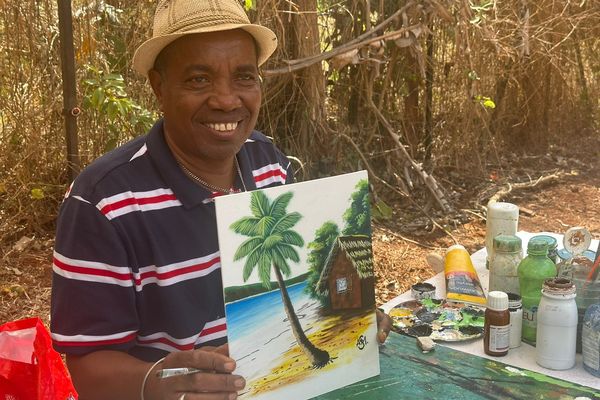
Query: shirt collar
[[189, 193]]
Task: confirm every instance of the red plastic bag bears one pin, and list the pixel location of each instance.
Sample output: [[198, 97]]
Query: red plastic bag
[[30, 369]]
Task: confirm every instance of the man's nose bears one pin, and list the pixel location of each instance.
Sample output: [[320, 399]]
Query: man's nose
[[225, 96]]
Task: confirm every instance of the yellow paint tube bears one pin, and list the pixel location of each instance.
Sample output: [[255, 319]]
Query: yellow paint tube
[[462, 281]]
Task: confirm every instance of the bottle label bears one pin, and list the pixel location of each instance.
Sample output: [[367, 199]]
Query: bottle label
[[591, 347], [530, 317], [499, 338]]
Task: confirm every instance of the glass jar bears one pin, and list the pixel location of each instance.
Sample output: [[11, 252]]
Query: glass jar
[[504, 264]]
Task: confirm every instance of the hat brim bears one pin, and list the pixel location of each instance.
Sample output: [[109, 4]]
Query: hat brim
[[146, 53]]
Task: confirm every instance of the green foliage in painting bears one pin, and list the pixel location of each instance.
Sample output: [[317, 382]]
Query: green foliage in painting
[[320, 248], [271, 240], [357, 217]]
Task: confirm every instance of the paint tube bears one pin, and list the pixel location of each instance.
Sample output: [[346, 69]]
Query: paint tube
[[462, 281]]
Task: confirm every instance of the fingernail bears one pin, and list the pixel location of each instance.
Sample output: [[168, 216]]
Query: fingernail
[[232, 396], [229, 366], [239, 383]]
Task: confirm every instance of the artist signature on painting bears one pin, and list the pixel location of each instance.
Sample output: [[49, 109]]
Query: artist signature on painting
[[361, 342]]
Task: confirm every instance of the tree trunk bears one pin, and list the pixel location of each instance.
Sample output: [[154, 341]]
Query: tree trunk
[[319, 358]]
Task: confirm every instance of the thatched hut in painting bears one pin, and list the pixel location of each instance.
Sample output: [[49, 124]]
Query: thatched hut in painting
[[347, 277]]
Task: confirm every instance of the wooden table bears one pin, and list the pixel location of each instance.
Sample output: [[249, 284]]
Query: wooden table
[[523, 356]]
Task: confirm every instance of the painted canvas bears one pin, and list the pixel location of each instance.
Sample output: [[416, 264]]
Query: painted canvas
[[298, 281]]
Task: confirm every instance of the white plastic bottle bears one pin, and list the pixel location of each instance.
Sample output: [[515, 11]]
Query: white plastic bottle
[[556, 325], [502, 219]]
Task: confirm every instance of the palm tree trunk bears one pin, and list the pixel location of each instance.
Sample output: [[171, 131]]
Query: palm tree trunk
[[317, 357]]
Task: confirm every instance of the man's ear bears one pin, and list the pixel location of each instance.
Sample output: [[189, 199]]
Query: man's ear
[[156, 81]]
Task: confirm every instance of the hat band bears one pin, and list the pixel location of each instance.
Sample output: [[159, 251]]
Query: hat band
[[197, 22]]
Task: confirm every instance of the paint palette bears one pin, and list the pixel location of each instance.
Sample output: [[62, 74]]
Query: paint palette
[[440, 320]]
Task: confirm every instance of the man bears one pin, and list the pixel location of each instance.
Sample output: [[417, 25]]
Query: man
[[136, 263]]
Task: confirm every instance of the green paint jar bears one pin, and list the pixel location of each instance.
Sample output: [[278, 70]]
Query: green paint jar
[[552, 244], [532, 271]]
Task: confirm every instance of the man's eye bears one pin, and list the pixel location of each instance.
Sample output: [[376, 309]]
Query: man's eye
[[248, 77], [198, 79]]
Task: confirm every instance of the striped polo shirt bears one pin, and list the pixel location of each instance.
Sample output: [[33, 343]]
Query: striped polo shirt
[[136, 261]]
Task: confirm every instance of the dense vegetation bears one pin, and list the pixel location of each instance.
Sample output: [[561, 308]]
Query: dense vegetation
[[387, 85]]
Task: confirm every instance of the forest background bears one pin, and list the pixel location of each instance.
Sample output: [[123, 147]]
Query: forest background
[[447, 103]]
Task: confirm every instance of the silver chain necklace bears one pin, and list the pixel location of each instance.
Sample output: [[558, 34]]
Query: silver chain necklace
[[213, 187]]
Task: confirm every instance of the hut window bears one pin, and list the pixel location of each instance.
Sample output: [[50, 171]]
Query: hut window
[[343, 285]]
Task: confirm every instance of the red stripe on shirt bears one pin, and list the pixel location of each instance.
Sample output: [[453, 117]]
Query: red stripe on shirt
[[269, 174], [91, 271], [180, 271], [213, 329], [140, 201]]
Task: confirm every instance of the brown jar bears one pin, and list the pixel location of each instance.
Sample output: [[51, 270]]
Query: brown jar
[[496, 331]]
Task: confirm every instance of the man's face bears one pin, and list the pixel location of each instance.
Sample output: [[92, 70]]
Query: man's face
[[209, 92]]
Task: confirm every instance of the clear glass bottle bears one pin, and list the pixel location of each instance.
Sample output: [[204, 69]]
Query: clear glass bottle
[[505, 260], [591, 340], [556, 325], [533, 270]]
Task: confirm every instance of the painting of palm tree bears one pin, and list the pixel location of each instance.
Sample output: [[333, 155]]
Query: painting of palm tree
[[271, 243], [278, 248]]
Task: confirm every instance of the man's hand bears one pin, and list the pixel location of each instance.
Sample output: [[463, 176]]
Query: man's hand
[[214, 381], [384, 324]]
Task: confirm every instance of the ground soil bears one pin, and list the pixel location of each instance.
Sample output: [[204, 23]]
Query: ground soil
[[400, 243]]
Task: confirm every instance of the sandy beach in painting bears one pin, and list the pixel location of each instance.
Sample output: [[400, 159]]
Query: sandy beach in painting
[[276, 368]]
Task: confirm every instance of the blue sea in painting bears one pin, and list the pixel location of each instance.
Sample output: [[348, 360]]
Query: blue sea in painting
[[245, 317]]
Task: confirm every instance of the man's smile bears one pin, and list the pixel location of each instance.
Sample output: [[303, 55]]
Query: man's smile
[[222, 127]]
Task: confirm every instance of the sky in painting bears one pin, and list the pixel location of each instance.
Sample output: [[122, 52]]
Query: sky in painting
[[318, 201]]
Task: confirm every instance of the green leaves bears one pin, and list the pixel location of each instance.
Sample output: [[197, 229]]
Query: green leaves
[[259, 204], [37, 194], [105, 97], [250, 5], [382, 211], [486, 102], [271, 241]]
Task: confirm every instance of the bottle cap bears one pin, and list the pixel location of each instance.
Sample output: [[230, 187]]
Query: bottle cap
[[537, 246], [558, 286], [550, 241], [514, 300], [501, 210], [507, 243], [497, 301], [455, 247]]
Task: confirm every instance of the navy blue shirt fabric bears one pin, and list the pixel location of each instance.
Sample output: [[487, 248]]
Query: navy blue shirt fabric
[[136, 263]]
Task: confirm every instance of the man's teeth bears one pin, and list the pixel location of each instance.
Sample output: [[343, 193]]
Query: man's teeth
[[223, 127]]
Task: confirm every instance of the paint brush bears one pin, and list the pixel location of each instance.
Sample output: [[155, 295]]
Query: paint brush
[[169, 372]]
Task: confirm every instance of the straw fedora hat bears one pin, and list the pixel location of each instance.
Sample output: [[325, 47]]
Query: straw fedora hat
[[176, 18]]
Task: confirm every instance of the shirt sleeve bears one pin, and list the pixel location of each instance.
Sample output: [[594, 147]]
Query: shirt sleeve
[[93, 289]]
